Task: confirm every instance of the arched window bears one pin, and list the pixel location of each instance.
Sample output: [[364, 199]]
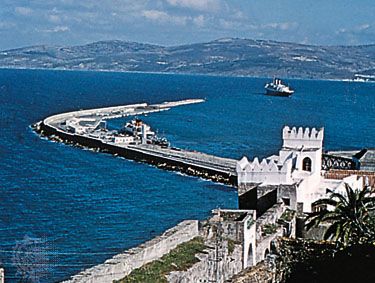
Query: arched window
[[266, 253], [306, 164]]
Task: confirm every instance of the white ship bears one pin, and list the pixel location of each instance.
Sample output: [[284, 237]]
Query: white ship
[[134, 127], [139, 130], [277, 88]]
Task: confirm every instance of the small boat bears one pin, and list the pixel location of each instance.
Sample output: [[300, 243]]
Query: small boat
[[277, 88]]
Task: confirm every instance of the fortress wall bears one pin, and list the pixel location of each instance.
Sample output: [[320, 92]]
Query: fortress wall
[[122, 264], [214, 266]]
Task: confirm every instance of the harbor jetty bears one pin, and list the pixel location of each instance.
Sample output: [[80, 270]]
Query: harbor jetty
[[136, 141], [87, 128]]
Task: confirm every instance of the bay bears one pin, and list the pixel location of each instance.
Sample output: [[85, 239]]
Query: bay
[[86, 206]]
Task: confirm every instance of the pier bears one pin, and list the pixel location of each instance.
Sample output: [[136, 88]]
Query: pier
[[87, 128], [82, 128]]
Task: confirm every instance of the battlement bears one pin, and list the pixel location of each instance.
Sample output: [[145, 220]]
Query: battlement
[[266, 171], [255, 166], [303, 137]]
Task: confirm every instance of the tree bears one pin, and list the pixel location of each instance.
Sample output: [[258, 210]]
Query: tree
[[352, 219]]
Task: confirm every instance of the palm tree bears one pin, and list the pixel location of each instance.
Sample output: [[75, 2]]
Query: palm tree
[[352, 219]]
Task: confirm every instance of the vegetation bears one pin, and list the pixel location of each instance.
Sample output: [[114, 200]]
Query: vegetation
[[180, 258], [351, 220], [287, 215], [269, 229], [309, 261], [258, 58], [349, 257], [231, 246]]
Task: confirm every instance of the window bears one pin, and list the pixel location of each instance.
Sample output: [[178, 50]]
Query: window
[[306, 164], [318, 208], [286, 201]]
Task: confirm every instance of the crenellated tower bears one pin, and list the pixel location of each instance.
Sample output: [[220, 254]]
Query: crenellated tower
[[306, 138], [306, 145], [299, 157]]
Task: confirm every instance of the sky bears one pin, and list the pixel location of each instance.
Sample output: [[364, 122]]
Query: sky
[[176, 22]]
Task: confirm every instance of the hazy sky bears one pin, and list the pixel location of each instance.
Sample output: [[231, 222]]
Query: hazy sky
[[173, 22]]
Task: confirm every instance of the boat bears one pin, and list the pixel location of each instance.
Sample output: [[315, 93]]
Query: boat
[[277, 88], [139, 130], [134, 128]]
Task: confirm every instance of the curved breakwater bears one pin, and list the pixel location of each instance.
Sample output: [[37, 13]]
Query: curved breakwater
[[192, 163]]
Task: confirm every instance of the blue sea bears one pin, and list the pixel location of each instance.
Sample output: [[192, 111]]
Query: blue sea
[[64, 209]]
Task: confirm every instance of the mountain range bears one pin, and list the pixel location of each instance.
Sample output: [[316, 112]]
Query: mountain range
[[227, 56]]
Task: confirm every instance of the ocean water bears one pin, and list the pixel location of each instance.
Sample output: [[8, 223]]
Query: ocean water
[[66, 209]]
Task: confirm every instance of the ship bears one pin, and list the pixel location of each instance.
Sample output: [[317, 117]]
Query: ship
[[139, 130], [277, 88], [134, 127]]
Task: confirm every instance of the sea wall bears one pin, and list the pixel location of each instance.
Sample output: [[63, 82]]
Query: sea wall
[[121, 265], [135, 154]]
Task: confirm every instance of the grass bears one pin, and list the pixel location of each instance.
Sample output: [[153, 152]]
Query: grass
[[179, 259]]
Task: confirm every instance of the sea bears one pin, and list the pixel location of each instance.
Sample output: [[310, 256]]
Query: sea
[[64, 209]]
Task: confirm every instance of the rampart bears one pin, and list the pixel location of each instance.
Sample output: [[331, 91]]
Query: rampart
[[122, 264], [293, 138]]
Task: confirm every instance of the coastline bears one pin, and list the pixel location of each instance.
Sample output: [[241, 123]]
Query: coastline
[[177, 74], [31, 74]]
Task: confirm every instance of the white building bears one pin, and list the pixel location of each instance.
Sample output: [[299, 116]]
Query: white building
[[294, 175]]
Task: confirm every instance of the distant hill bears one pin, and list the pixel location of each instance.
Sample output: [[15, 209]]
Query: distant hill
[[229, 56]]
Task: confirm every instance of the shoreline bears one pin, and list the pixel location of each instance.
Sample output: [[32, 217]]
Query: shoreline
[[176, 74]]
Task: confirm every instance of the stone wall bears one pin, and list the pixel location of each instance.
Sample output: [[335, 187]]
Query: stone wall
[[261, 273], [269, 217], [288, 193], [229, 235], [122, 264], [285, 257], [218, 264], [263, 242], [245, 187]]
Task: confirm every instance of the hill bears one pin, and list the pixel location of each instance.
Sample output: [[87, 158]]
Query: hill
[[229, 56]]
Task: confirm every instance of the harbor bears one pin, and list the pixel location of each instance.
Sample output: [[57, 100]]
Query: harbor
[[96, 203], [187, 141], [136, 141]]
